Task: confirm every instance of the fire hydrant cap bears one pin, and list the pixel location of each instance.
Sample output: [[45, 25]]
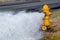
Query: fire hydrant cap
[[45, 7]]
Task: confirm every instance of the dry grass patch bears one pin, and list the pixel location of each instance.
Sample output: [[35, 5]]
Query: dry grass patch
[[54, 34]]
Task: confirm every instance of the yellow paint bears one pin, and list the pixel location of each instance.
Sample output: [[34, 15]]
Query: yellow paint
[[46, 18], [47, 23]]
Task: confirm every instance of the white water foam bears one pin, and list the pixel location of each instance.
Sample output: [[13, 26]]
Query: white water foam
[[22, 26]]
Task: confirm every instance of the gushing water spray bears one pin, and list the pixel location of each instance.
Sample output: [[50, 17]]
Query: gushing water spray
[[22, 26]]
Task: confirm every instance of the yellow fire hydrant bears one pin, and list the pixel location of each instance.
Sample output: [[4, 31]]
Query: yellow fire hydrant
[[46, 11]]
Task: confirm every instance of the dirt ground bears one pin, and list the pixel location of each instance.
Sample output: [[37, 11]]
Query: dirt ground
[[54, 33]]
